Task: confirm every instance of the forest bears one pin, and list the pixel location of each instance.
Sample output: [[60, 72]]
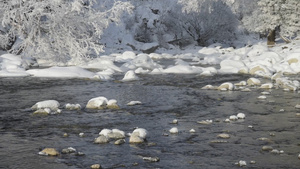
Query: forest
[[63, 30]]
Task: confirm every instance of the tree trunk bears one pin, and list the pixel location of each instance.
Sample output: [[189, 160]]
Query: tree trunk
[[271, 38]]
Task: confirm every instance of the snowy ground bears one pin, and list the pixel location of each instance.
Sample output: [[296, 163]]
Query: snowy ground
[[258, 60]]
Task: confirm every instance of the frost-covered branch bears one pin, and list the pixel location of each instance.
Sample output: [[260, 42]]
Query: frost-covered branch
[[59, 30]]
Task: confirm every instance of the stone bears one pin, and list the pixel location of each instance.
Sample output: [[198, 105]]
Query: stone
[[241, 116], [43, 112], [266, 86], [192, 131], [97, 103], [69, 106], [175, 121], [135, 139], [112, 104], [51, 104], [151, 159], [224, 136], [218, 141], [253, 82], [233, 118], [116, 135], [68, 150], [262, 97], [119, 142], [49, 152], [96, 166], [241, 83], [246, 90], [267, 148], [101, 140], [173, 130], [242, 163], [297, 106], [205, 122], [209, 87], [226, 86], [133, 103]]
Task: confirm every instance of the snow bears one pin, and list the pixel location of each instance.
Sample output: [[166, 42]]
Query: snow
[[51, 104], [62, 72], [275, 64]]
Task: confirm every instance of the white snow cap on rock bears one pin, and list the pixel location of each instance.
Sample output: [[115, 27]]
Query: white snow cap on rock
[[142, 133], [51, 104], [97, 103], [130, 76]]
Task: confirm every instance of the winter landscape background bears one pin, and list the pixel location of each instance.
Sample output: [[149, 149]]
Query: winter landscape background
[[193, 83]]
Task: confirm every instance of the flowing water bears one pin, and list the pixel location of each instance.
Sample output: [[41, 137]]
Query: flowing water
[[164, 98]]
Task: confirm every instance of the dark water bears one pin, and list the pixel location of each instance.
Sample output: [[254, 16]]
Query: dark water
[[164, 98]]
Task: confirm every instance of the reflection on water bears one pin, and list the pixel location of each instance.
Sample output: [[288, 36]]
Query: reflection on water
[[164, 98]]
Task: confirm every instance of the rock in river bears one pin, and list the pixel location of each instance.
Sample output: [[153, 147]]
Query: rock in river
[[49, 152]]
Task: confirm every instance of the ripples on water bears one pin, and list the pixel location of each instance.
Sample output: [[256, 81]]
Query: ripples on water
[[164, 98]]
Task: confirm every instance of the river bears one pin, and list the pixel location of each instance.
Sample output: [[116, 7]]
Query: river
[[273, 121]]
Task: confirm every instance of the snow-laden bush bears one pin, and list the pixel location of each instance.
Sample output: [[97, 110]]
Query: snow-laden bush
[[59, 30]]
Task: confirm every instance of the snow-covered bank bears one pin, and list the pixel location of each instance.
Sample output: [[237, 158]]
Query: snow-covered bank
[[257, 60]]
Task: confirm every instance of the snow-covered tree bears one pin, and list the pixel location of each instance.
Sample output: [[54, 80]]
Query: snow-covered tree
[[207, 20], [273, 14], [59, 30]]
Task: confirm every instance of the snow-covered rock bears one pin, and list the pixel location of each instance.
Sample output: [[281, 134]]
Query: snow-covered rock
[[174, 130], [226, 86], [130, 76], [51, 104], [97, 103], [133, 103], [253, 82], [70, 106]]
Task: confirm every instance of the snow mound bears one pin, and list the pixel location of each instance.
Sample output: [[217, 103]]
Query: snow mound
[[12, 66], [62, 72]]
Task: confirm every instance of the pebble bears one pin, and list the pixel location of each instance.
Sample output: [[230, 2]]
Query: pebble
[[66, 135], [174, 130], [252, 162], [224, 136], [281, 110], [299, 156], [49, 152], [297, 106], [151, 159], [81, 134], [95, 166]]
